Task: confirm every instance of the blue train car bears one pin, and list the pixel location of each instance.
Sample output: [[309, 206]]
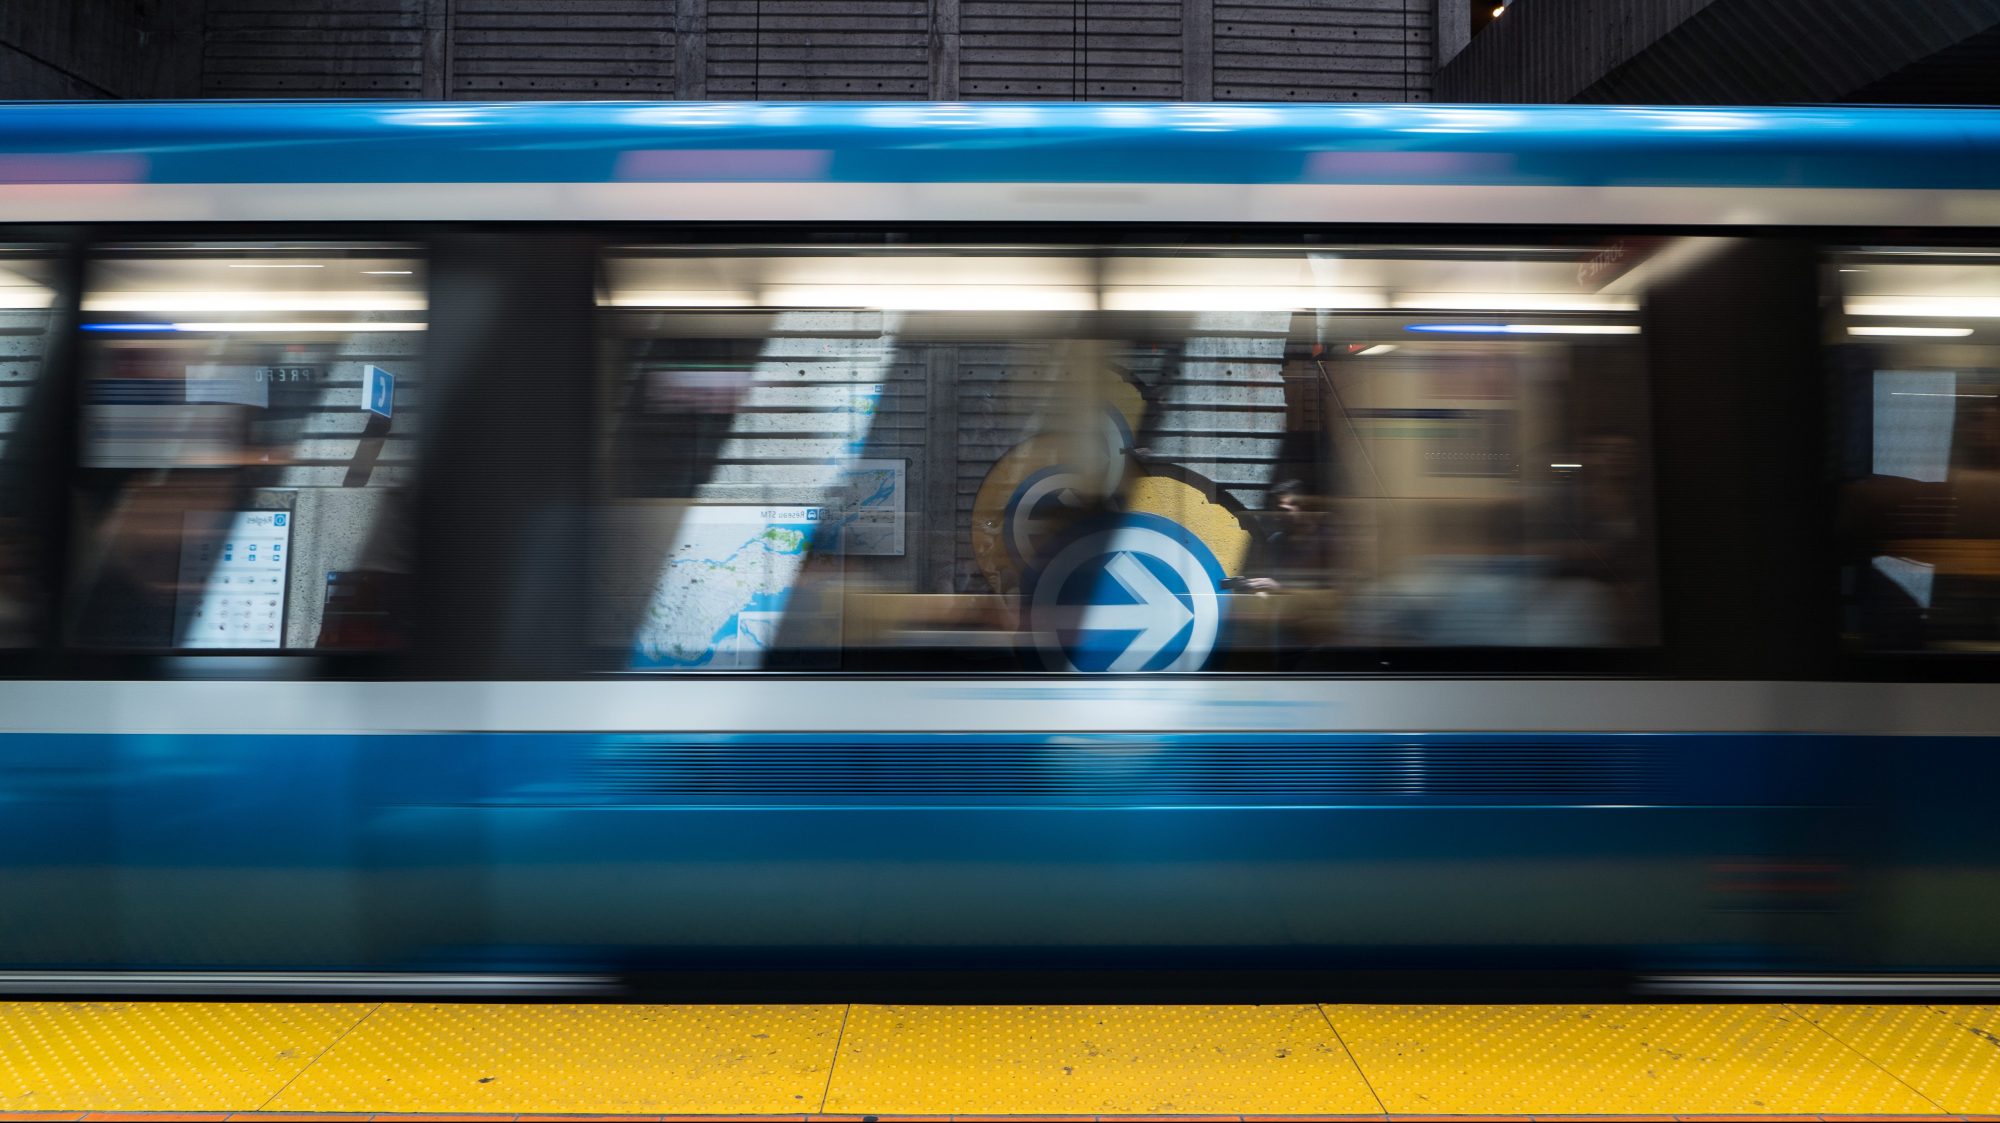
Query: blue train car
[[540, 548]]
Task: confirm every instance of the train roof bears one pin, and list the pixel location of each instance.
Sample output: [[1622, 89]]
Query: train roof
[[1016, 143]]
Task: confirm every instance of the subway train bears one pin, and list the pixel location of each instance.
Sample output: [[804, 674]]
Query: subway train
[[567, 549]]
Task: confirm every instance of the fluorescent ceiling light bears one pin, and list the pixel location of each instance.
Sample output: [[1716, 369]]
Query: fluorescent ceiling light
[[1566, 467], [387, 272], [1914, 333], [251, 302], [1930, 307], [1242, 298], [1513, 302], [682, 298], [21, 297], [307, 325], [273, 265], [931, 298], [1526, 329], [266, 326], [1378, 349]]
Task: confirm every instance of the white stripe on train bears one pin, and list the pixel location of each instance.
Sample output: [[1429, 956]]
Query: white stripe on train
[[996, 202], [777, 703]]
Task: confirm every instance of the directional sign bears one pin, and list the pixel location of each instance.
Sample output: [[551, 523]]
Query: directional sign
[[378, 391], [1133, 592]]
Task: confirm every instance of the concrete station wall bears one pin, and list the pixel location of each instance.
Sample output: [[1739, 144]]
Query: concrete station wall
[[1193, 50]]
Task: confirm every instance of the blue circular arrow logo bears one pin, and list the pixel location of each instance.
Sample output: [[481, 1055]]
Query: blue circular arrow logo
[[1128, 593]]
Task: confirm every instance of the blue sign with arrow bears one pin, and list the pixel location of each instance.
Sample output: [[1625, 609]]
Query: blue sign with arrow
[[1133, 592]]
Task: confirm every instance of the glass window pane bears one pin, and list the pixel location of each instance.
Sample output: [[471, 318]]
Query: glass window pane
[[27, 297], [1917, 364], [249, 420], [1076, 459]]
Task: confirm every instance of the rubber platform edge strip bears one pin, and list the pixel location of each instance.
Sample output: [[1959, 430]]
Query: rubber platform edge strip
[[452, 1117]]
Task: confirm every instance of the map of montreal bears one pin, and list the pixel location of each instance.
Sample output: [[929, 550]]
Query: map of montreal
[[722, 594]]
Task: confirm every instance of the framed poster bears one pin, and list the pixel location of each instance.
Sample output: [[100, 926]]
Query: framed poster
[[232, 579], [868, 521]]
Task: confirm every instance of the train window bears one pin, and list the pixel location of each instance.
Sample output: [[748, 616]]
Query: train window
[[248, 420], [1052, 458], [1917, 364], [27, 298]]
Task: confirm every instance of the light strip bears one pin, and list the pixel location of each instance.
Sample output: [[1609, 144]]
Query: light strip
[[1526, 329], [681, 298], [273, 265], [1378, 349], [1241, 298], [1914, 333], [1938, 307], [1512, 302], [931, 298], [13, 298], [265, 326], [251, 302], [308, 325]]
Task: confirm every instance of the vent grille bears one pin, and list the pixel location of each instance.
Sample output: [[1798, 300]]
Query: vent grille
[[1072, 769]]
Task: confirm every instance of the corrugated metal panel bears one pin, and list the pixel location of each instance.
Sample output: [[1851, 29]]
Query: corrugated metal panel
[[329, 48], [1095, 50], [1018, 49], [1324, 50], [562, 48], [777, 49], [1098, 50]]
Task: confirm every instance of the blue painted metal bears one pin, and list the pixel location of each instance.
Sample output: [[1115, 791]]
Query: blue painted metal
[[347, 142], [561, 850]]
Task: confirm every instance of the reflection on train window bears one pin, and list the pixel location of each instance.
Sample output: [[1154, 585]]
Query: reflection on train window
[[1917, 357], [248, 421], [1037, 458], [27, 299]]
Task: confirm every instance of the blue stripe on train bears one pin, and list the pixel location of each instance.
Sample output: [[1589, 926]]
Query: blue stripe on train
[[353, 142], [553, 849]]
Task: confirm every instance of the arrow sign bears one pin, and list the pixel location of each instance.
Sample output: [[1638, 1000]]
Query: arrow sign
[[1136, 592], [1156, 614]]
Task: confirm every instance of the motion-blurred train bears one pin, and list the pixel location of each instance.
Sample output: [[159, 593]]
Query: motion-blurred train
[[546, 548]]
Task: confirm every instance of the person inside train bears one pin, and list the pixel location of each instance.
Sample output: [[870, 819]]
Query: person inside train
[[1297, 550], [1291, 578]]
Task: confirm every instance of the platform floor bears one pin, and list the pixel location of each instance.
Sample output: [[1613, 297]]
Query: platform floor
[[103, 1059]]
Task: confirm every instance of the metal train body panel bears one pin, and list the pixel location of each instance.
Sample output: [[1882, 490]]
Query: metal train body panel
[[541, 835], [422, 830], [773, 162]]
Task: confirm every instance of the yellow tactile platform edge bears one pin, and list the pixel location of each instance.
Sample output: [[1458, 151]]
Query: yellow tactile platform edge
[[900, 1064]]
